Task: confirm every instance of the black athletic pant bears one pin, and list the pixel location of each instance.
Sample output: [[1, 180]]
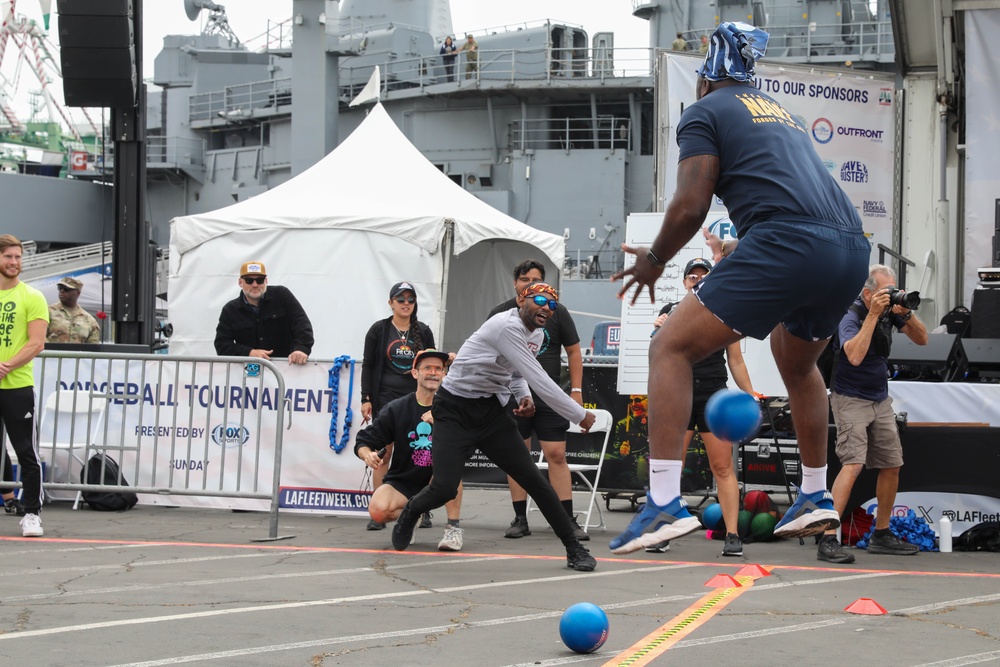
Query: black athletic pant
[[462, 425], [17, 414]]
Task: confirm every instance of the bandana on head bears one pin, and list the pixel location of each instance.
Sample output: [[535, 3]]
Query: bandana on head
[[540, 288], [733, 51]]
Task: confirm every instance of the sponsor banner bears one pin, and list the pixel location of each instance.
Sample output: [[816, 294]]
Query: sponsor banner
[[850, 119], [964, 510], [324, 500]]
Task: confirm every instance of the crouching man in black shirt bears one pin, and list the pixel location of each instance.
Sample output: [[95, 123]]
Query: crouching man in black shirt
[[407, 424]]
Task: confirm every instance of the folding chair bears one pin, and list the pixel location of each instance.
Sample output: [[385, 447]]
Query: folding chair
[[70, 420], [602, 424]]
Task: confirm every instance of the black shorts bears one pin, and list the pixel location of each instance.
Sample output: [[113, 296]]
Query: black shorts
[[702, 392], [547, 424], [405, 487]]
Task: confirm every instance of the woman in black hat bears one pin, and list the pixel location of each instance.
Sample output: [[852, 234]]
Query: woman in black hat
[[390, 347]]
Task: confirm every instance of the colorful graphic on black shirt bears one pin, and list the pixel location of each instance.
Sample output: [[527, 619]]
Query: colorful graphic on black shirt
[[420, 445], [400, 355]]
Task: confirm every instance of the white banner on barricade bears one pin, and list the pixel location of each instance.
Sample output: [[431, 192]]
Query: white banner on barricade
[[211, 425]]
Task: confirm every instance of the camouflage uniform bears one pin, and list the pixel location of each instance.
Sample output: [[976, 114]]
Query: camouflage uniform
[[72, 325]]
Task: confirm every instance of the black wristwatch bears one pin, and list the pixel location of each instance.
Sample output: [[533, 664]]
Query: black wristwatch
[[906, 317], [654, 260]]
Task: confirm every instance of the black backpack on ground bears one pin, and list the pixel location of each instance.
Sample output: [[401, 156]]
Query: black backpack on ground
[[105, 501], [983, 536]]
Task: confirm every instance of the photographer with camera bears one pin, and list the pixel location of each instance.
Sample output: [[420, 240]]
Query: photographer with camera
[[862, 409]]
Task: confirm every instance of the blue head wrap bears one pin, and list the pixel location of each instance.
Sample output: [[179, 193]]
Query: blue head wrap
[[733, 51]]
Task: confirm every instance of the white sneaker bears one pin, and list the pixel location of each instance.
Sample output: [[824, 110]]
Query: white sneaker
[[31, 526], [452, 540]]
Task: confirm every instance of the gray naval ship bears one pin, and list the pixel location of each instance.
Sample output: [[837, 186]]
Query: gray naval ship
[[553, 126]]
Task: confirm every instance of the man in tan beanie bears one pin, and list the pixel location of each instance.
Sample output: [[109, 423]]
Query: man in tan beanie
[[68, 322]]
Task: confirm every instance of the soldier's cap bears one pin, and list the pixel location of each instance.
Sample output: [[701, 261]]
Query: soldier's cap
[[70, 283], [253, 269], [430, 354]]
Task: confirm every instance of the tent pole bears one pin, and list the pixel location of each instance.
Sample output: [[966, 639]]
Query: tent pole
[[448, 245]]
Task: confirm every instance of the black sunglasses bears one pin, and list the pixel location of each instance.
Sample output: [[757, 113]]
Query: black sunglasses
[[255, 281], [63, 288], [406, 299]]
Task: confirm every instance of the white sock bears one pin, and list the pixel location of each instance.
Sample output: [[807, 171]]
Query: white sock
[[664, 480], [813, 479]]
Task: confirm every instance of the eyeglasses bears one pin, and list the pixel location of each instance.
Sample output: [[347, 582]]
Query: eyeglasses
[[694, 276], [541, 300], [255, 281], [406, 299]]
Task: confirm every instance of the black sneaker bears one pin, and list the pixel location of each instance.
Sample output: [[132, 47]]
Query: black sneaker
[[661, 548], [374, 525], [831, 551], [402, 532], [733, 546], [13, 506], [425, 520], [579, 533], [891, 545], [518, 527], [578, 558]]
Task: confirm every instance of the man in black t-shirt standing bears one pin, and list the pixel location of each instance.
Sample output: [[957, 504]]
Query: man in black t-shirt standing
[[546, 424], [406, 423]]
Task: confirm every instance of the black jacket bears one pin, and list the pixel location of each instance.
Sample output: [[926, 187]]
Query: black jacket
[[280, 325]]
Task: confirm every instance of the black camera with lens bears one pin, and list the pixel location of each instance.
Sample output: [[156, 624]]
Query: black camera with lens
[[898, 297]]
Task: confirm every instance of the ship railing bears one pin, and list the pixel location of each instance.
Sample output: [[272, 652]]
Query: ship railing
[[244, 100], [175, 150], [584, 264], [552, 65], [62, 257], [610, 132], [857, 41]]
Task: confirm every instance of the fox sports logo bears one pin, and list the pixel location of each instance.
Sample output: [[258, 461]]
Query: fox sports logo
[[230, 435]]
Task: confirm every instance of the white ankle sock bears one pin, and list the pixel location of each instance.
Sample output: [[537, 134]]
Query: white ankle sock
[[813, 479], [664, 480]]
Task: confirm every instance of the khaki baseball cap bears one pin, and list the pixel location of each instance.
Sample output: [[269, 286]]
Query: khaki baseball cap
[[70, 283], [253, 269]]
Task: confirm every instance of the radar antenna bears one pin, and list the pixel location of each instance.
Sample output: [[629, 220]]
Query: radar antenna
[[218, 22]]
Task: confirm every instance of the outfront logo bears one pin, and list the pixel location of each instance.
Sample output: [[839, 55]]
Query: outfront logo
[[875, 136], [822, 131], [854, 171], [230, 435], [873, 208]]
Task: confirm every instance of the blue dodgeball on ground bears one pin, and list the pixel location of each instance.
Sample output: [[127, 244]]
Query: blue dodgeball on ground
[[584, 627]]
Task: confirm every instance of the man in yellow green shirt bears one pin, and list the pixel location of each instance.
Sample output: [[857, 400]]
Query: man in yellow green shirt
[[24, 318]]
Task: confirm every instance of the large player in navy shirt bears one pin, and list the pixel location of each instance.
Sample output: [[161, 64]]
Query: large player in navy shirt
[[800, 261]]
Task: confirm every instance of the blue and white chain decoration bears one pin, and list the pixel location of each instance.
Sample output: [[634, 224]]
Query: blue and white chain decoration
[[334, 385]]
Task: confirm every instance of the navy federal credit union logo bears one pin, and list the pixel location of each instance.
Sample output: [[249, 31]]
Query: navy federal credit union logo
[[854, 171], [874, 209], [230, 435], [822, 131]]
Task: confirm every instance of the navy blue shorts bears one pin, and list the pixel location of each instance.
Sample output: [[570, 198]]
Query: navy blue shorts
[[801, 274]]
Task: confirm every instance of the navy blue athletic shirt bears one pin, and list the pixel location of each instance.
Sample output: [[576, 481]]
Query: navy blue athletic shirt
[[769, 169]]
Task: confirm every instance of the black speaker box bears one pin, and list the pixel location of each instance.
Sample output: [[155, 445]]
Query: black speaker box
[[983, 357], [942, 359], [986, 313], [93, 8], [98, 63], [96, 32], [97, 52]]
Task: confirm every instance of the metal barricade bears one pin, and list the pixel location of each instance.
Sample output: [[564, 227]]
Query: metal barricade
[[177, 425]]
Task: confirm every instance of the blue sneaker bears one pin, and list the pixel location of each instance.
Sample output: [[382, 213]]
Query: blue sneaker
[[810, 514], [667, 523]]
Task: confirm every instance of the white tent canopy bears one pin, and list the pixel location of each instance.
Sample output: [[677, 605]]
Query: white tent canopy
[[371, 213]]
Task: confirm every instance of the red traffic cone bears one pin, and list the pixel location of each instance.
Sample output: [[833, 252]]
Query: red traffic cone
[[722, 581], [753, 570], [866, 606]]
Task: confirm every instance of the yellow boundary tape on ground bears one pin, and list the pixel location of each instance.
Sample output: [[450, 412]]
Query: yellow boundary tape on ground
[[656, 643]]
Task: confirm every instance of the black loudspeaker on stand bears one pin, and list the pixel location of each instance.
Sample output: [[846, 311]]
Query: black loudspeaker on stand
[[97, 53], [941, 360]]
